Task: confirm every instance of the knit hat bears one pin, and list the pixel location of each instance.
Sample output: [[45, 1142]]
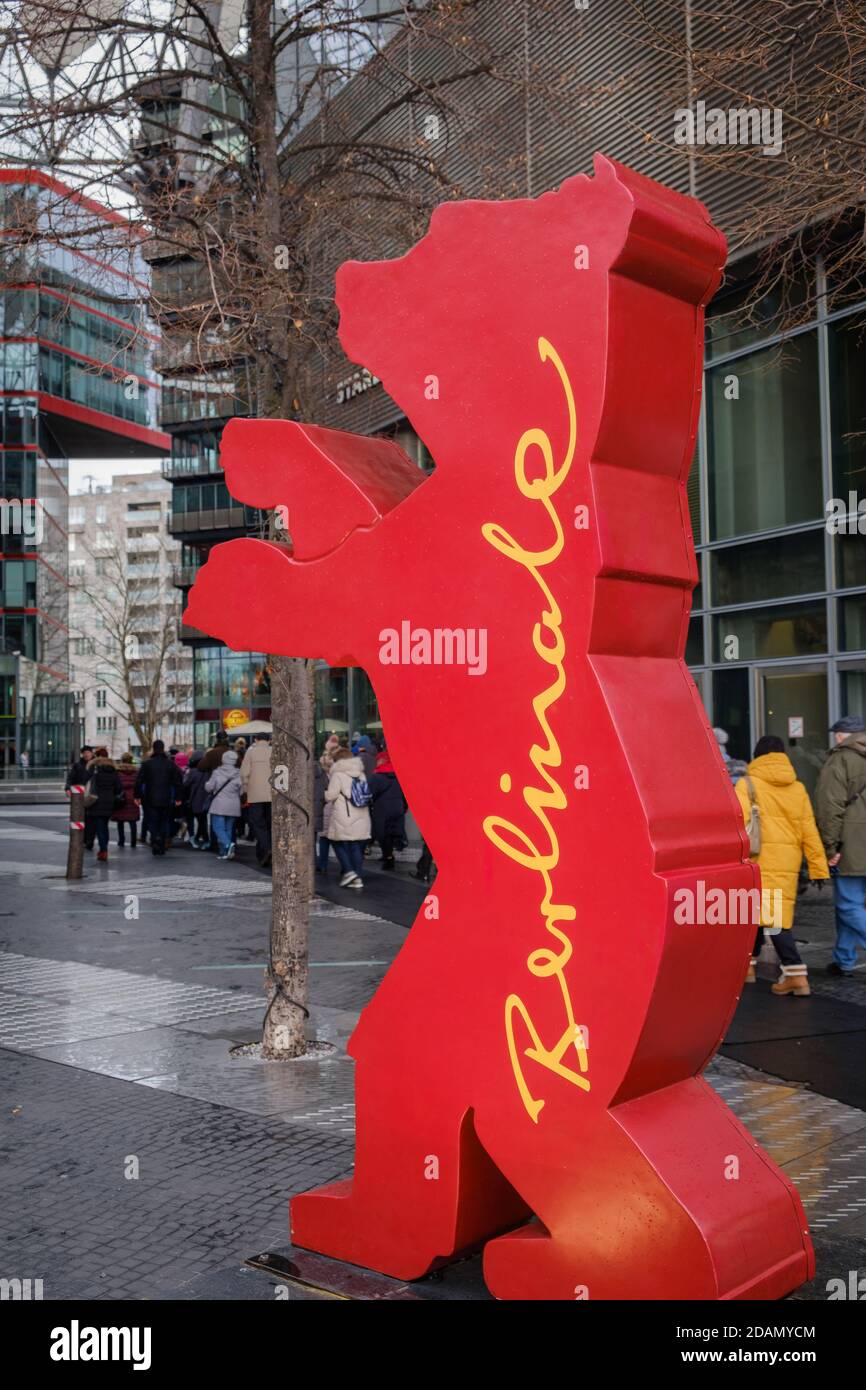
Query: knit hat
[[848, 724]]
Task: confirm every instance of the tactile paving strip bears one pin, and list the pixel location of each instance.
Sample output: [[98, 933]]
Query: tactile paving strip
[[178, 886], [45, 1003], [820, 1142], [36, 994]]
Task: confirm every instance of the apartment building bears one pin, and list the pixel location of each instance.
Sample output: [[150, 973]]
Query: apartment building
[[129, 670]]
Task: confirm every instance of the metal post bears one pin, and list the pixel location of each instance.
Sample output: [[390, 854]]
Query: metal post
[[75, 853], [17, 679]]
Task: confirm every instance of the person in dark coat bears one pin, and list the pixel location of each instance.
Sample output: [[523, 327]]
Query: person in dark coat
[[321, 842], [158, 788], [197, 802], [388, 812], [424, 868], [104, 783], [366, 751], [127, 813], [80, 769], [214, 756]]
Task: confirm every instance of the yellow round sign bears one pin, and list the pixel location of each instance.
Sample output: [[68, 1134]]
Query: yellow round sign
[[233, 717]]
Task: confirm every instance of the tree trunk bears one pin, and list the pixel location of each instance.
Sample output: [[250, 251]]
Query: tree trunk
[[75, 853], [287, 978]]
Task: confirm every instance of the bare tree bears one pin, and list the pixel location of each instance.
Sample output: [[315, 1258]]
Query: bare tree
[[129, 633], [261, 143], [784, 169]]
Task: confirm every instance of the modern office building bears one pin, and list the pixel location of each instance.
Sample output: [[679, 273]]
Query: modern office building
[[777, 641], [778, 638], [75, 381], [226, 684], [202, 387], [196, 401]]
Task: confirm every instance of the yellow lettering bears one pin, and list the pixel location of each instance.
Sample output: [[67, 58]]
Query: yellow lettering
[[549, 643]]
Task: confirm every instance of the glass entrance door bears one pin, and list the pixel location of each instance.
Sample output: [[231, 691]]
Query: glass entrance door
[[792, 703]]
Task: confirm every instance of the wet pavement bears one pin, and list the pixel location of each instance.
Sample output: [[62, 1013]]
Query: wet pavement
[[143, 1159]]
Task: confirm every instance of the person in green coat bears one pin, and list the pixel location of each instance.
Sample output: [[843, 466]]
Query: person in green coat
[[840, 806]]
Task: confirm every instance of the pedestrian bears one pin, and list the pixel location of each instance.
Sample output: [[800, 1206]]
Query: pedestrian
[[243, 829], [214, 755], [24, 763], [197, 802], [735, 767], [388, 811], [225, 787], [424, 868], [77, 774], [179, 828], [788, 833], [840, 800], [367, 753], [349, 826], [105, 786], [158, 789], [321, 817], [332, 743], [255, 772], [128, 812]]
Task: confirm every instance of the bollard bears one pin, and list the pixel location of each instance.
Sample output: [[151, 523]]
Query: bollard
[[75, 854]]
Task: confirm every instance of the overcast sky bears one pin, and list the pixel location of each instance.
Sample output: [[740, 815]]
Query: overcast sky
[[103, 470]]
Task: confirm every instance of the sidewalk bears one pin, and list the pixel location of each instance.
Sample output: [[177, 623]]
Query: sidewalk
[[116, 1033]]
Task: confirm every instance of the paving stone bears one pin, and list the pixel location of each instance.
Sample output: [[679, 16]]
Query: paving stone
[[131, 1022]]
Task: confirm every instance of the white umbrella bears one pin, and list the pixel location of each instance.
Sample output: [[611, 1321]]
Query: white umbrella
[[255, 726]]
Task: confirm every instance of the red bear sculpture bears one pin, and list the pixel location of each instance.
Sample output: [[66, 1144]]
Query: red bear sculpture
[[528, 1073]]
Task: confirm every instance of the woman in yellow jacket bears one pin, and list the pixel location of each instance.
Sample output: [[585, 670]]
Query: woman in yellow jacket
[[788, 832]]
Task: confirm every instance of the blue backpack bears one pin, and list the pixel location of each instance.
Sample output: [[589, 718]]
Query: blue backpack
[[361, 794]]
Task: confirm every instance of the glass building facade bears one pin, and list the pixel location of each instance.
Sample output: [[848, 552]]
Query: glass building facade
[[203, 513], [777, 639], [75, 353]]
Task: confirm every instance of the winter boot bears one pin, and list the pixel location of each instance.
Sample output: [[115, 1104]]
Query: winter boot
[[794, 979]]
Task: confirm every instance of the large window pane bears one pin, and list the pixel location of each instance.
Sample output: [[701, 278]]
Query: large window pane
[[695, 643], [763, 440], [768, 569], [852, 623], [852, 688], [206, 667], [791, 629], [332, 707], [738, 317], [850, 560], [731, 709], [848, 406]]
